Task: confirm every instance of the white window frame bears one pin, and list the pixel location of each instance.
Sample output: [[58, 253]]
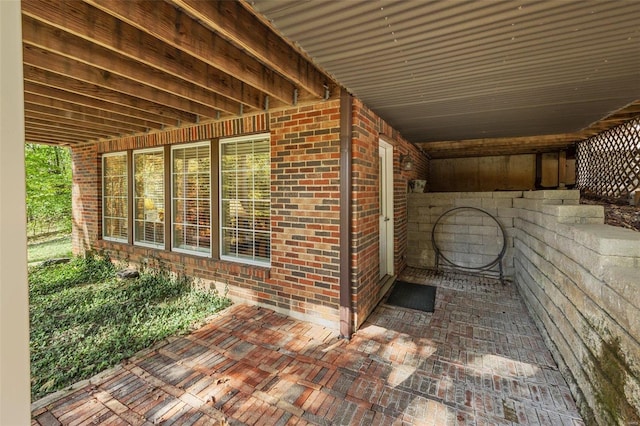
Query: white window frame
[[133, 198], [172, 195], [104, 215], [221, 228]]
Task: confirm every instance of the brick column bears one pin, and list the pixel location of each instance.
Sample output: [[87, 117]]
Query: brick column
[[85, 197]]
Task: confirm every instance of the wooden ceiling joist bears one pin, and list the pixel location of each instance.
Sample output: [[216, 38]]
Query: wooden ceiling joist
[[37, 121], [169, 25], [63, 44], [137, 53], [69, 137], [234, 22], [127, 107], [34, 101], [70, 117], [49, 78], [126, 67], [87, 74]]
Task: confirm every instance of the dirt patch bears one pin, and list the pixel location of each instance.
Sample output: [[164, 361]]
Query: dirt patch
[[617, 211]]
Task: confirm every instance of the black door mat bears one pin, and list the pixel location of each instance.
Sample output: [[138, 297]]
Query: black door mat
[[413, 296]]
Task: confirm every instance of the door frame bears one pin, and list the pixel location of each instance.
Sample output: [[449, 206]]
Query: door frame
[[386, 252]]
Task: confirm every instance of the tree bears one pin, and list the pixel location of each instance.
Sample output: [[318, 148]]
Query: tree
[[48, 184]]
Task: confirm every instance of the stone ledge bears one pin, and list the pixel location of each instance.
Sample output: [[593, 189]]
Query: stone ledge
[[556, 194], [607, 240], [577, 211]]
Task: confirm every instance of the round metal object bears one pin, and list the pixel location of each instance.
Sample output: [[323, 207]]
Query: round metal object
[[496, 261]]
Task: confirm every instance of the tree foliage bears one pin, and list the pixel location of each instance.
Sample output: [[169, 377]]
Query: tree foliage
[[48, 185]]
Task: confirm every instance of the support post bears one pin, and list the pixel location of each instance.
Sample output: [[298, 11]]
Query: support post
[[346, 136]]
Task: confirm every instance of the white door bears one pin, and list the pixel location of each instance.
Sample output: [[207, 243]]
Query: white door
[[385, 184]]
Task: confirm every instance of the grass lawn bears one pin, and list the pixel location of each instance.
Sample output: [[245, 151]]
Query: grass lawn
[[58, 246], [84, 320]]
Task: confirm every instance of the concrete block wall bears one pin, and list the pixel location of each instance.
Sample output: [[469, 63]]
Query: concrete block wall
[[467, 237], [579, 278], [581, 282]]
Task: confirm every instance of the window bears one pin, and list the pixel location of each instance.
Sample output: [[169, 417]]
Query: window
[[171, 201], [245, 202], [148, 198], [191, 198], [115, 197]]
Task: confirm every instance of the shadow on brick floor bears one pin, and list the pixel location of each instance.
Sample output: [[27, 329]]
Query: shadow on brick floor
[[478, 359]]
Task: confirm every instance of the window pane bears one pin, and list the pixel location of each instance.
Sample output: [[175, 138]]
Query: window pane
[[149, 197], [191, 177], [115, 197], [245, 188]]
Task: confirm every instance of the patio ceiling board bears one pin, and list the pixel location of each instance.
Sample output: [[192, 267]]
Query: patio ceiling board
[[169, 25], [435, 70], [234, 22], [132, 49], [87, 73], [73, 117], [35, 101], [105, 69], [454, 70], [525, 145], [48, 78]]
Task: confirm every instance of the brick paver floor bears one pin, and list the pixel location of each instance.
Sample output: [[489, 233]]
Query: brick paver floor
[[477, 360]]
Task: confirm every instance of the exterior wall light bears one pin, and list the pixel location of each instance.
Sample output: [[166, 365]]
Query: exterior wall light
[[406, 163]]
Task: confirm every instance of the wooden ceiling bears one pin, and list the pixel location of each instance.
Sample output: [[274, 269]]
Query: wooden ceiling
[[99, 69]]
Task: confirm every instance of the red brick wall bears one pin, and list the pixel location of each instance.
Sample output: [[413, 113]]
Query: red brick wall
[[304, 277], [367, 131], [305, 196], [303, 280], [85, 195]]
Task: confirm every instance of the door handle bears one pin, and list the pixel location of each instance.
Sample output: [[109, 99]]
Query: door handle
[[386, 219]]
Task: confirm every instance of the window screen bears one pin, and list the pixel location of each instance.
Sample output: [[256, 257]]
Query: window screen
[[148, 198], [191, 198], [245, 199], [115, 197]]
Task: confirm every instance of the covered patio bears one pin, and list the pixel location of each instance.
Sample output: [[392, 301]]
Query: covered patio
[[477, 359], [330, 110]]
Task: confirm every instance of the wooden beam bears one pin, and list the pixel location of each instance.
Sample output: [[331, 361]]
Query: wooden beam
[[109, 34], [49, 39], [65, 107], [53, 137], [67, 67], [45, 77], [497, 146], [46, 137], [75, 118], [614, 119], [124, 108], [33, 122], [236, 23], [176, 28]]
